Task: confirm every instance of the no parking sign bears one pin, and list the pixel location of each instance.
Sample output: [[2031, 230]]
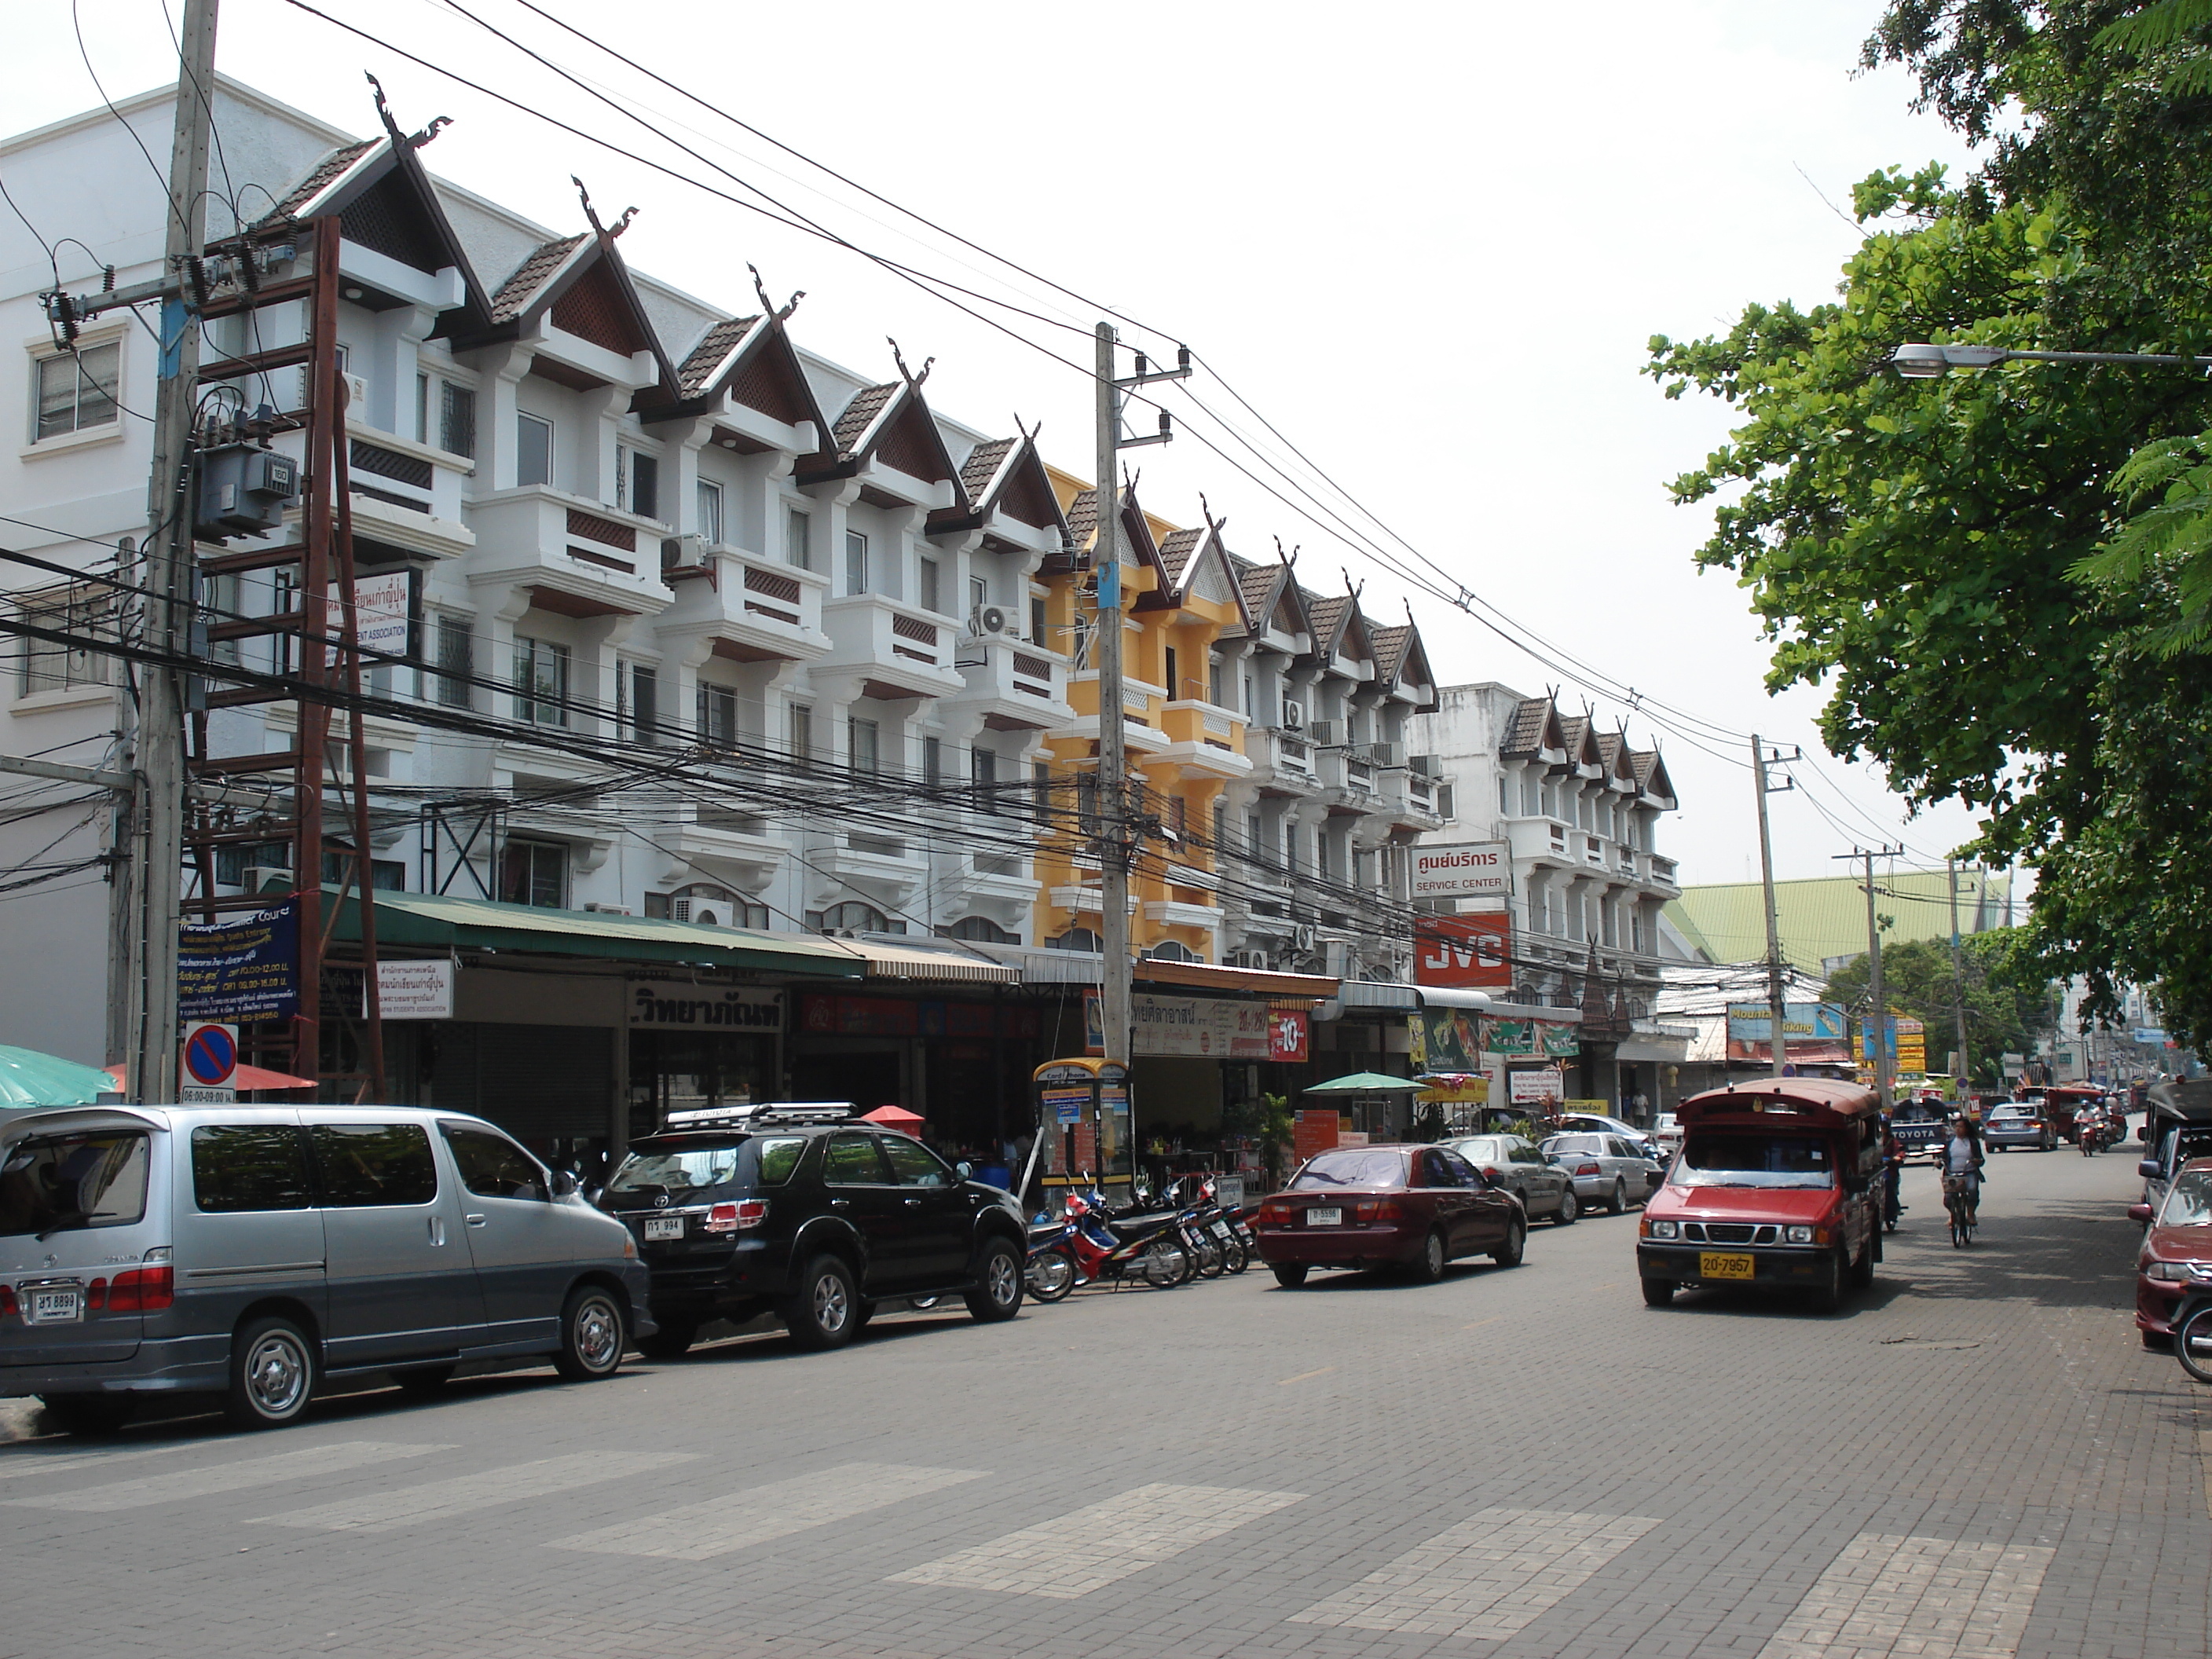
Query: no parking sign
[[210, 1059]]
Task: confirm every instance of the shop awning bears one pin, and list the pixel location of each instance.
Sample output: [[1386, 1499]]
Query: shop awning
[[1205, 976], [1379, 993], [441, 920], [1433, 996], [923, 962]]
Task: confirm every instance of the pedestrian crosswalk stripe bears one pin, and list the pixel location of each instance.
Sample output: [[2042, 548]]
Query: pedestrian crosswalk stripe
[[1490, 1577], [393, 1507], [1102, 1543], [759, 1513], [14, 1464], [1948, 1600], [180, 1484]]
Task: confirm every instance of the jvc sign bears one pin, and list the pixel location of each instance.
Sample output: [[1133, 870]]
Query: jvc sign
[[1469, 869], [1471, 953]]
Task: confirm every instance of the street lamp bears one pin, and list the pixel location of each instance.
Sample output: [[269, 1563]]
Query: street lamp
[[1925, 362]]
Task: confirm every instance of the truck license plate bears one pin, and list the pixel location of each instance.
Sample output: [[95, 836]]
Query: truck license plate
[[1721, 1264], [55, 1307], [1328, 1218], [664, 1227]]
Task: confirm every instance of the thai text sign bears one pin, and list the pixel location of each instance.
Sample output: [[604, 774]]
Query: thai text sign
[[1197, 1028], [706, 1007], [1528, 1088], [1463, 952], [1801, 1022], [413, 990], [240, 970], [1471, 869]]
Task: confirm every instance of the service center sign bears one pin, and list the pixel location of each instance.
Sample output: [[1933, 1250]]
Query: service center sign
[[1463, 952], [1467, 869]]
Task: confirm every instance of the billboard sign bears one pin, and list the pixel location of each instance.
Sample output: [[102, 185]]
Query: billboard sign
[[1801, 1022], [240, 970], [1467, 869], [1464, 952]]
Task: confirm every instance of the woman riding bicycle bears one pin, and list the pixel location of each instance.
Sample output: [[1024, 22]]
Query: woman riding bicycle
[[1961, 1165]]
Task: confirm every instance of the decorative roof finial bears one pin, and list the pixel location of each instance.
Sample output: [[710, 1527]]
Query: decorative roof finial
[[912, 380], [769, 306], [591, 213]]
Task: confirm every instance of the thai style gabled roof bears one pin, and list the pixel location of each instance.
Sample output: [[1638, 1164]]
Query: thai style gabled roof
[[1652, 781], [1391, 644], [1534, 731], [892, 424], [530, 278], [582, 286], [1258, 582], [1003, 476], [1581, 744], [1613, 756], [1178, 549], [752, 362], [1326, 619], [706, 362]]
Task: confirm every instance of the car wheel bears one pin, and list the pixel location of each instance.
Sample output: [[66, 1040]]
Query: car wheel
[[1619, 1205], [88, 1414], [1863, 1269], [1508, 1254], [2157, 1341], [1430, 1268], [1658, 1293], [1830, 1295], [423, 1379], [998, 1293], [672, 1341], [1569, 1207], [821, 1315], [1291, 1278], [592, 1336], [272, 1374]]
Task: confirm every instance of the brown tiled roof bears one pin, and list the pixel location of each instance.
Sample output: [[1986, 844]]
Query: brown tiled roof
[[319, 178], [1177, 551], [711, 353], [1609, 750], [1525, 734], [1646, 762], [1083, 516], [516, 293], [860, 415], [1390, 645], [1326, 618], [982, 466], [1576, 730], [1258, 581]]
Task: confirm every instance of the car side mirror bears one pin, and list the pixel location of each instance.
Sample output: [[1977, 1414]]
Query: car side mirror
[[560, 1183], [2139, 1212], [966, 1170], [2148, 1170]]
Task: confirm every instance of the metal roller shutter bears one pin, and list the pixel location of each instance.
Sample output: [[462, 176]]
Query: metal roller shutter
[[534, 1081]]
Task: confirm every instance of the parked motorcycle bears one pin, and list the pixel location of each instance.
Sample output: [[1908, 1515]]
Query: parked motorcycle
[[1089, 1247]]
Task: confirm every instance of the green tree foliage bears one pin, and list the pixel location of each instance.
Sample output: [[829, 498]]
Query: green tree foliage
[[1954, 561], [2008, 999]]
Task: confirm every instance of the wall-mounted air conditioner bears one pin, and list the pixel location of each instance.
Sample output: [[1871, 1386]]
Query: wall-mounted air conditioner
[[598, 909], [1294, 715], [990, 621], [357, 387], [685, 552], [1323, 732], [1387, 754]]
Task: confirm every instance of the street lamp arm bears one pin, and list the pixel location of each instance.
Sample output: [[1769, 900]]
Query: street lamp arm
[[1923, 361]]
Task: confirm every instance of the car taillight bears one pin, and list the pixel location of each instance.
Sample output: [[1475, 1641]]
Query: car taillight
[[1274, 1213], [1587, 1169], [1377, 1209], [1489, 1174], [7, 1300], [144, 1289], [95, 1295], [733, 1217]]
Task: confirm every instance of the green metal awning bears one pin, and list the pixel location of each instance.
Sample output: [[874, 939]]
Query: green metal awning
[[441, 921]]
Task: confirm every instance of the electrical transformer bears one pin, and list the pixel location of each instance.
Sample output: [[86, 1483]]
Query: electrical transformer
[[243, 490]]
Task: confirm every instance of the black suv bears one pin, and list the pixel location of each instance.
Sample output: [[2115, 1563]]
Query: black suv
[[820, 1220]]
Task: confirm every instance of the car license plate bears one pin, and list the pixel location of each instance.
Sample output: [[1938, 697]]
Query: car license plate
[[1721, 1264], [1331, 1217], [664, 1227], [54, 1307]]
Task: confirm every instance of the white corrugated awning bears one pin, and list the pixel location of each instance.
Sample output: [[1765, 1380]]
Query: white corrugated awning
[[1435, 996], [1378, 993], [881, 961]]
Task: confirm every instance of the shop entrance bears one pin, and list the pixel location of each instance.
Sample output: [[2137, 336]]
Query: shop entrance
[[867, 1079]]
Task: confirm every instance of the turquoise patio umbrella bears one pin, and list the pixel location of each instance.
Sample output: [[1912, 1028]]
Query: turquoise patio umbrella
[[28, 1077]]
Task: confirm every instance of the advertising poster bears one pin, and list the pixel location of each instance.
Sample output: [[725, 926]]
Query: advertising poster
[[241, 970], [1801, 1022], [1445, 1040], [1510, 1037], [1287, 1035], [1558, 1041], [1464, 952], [1316, 1132]]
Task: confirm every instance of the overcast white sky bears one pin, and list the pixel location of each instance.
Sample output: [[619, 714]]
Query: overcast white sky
[[1429, 243]]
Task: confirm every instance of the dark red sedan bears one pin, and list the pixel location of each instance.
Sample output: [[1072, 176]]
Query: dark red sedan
[[1415, 1207], [2177, 1251]]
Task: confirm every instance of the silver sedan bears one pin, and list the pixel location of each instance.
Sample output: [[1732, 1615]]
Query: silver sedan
[[1606, 1170], [1510, 1162]]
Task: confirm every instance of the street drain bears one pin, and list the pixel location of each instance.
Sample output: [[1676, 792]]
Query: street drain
[[1939, 1342]]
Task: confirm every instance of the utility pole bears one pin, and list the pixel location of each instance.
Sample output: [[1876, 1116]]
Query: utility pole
[[1878, 1041], [1777, 1044], [1116, 823], [1958, 975], [171, 575]]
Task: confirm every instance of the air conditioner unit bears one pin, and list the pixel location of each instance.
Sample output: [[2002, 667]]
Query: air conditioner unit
[[1294, 716], [1387, 754], [357, 387], [1424, 764], [706, 913], [1323, 732], [990, 621], [687, 552], [1302, 936], [256, 877], [598, 909]]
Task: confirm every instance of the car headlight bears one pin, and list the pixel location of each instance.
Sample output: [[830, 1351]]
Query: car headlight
[[2171, 1272], [1666, 1229], [1799, 1235]]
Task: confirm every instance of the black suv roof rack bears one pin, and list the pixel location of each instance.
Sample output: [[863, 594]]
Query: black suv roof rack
[[755, 1114]]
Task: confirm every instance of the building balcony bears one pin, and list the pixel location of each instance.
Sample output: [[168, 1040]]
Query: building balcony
[[407, 495], [1081, 901], [752, 607], [1174, 913], [1189, 721], [1017, 686], [887, 866], [1407, 799], [579, 558], [1141, 739], [733, 845], [896, 650], [1540, 842]]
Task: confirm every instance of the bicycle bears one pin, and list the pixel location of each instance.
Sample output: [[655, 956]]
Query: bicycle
[[1959, 1200]]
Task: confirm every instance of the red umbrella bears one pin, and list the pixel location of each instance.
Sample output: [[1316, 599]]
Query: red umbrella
[[892, 1117], [244, 1078]]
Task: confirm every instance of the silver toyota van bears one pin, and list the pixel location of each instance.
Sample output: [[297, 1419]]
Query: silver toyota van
[[253, 1251]]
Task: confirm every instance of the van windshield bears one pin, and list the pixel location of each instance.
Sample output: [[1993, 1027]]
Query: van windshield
[[54, 1184], [1747, 1157]]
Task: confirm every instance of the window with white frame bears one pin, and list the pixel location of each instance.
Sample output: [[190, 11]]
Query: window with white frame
[[800, 742], [856, 562], [77, 391], [637, 481], [710, 513], [799, 537], [541, 681], [717, 716], [456, 662], [983, 773], [861, 741], [637, 702], [456, 421], [930, 591], [979, 594], [84, 611], [933, 760], [533, 450], [534, 872]]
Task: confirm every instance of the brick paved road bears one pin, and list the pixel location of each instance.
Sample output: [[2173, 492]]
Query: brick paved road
[[1976, 1460]]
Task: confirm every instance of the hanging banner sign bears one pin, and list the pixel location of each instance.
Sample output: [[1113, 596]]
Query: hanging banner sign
[[1444, 1040], [1509, 1036], [1474, 869], [1197, 1028], [241, 970], [383, 613], [1287, 1035], [1466, 952], [1558, 1041], [413, 990]]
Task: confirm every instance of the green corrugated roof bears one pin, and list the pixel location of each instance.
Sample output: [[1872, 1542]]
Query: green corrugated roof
[[440, 919], [1826, 917]]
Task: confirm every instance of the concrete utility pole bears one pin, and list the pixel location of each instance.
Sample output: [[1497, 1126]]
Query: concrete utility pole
[[1116, 826], [171, 575], [1957, 975], [1879, 1040], [1776, 1043]]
